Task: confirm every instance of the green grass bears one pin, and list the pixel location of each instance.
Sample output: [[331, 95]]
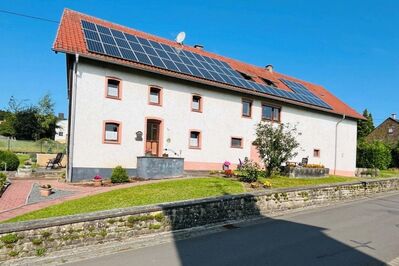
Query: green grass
[[24, 157], [166, 191], [31, 146], [389, 173], [283, 182]]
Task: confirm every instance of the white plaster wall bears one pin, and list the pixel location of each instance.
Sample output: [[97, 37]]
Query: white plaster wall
[[62, 126], [220, 119]]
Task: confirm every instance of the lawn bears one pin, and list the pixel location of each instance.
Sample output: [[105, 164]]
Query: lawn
[[282, 182], [389, 173], [166, 191]]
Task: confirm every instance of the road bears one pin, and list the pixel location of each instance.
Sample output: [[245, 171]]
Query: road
[[363, 232]]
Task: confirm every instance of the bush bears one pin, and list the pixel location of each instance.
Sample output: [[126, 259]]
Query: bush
[[119, 175], [373, 155], [249, 171], [395, 156], [10, 159], [3, 180]]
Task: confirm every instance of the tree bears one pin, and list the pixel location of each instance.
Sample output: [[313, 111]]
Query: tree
[[276, 144], [26, 125], [46, 118], [7, 126], [364, 127]]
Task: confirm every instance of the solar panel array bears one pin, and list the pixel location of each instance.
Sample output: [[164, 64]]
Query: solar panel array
[[301, 90], [115, 43]]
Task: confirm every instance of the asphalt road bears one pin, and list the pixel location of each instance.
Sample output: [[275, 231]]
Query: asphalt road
[[363, 232]]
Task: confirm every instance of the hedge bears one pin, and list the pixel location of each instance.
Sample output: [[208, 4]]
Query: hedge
[[373, 155]]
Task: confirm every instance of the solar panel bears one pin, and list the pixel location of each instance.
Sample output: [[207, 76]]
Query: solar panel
[[115, 43]]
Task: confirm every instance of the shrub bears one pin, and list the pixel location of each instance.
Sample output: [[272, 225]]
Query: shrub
[[3, 180], [395, 156], [119, 175], [249, 171], [314, 166], [373, 155], [10, 159]]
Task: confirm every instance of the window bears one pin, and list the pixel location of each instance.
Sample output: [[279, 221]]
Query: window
[[270, 113], [196, 104], [155, 97], [246, 76], [113, 88], [246, 108], [236, 142], [195, 140], [60, 133], [111, 132], [390, 130], [316, 153], [269, 82]]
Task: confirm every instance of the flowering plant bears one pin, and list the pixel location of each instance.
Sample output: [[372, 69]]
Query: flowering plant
[[97, 177], [228, 172], [226, 163]]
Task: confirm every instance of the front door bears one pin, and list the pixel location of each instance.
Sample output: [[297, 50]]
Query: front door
[[152, 138]]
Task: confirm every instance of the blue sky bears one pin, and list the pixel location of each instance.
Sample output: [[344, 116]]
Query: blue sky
[[350, 47]]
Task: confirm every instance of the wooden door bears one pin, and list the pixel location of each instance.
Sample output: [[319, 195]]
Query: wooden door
[[152, 138]]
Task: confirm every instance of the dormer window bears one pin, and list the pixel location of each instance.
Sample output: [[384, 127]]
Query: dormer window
[[246, 76], [269, 82]]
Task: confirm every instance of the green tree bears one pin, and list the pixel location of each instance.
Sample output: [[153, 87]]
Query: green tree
[[46, 118], [364, 127], [7, 126], [276, 144], [26, 124]]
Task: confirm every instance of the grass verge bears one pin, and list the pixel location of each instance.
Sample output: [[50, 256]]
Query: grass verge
[[166, 191], [283, 182]]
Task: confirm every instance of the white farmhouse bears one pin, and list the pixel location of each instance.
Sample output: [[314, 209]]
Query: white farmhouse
[[133, 94]]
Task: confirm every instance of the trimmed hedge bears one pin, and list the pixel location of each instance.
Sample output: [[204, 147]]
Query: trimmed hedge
[[373, 155], [10, 159]]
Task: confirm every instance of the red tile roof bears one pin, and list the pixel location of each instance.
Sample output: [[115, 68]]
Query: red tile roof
[[70, 40]]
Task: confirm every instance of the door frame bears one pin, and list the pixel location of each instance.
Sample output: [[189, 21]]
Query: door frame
[[160, 134]]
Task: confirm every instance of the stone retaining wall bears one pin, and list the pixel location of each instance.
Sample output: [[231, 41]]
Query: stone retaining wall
[[37, 238]]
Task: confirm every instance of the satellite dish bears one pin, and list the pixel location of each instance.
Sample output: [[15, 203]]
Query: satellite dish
[[180, 37]]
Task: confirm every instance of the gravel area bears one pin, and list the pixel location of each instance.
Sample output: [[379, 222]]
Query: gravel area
[[35, 196]]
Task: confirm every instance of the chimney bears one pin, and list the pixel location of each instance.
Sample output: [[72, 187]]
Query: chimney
[[269, 68], [61, 116], [393, 116], [199, 46]]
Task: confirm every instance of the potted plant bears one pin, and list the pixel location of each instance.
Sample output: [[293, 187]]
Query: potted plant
[[98, 181], [46, 190]]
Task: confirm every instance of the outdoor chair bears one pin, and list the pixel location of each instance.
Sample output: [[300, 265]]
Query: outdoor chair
[[56, 162], [304, 161]]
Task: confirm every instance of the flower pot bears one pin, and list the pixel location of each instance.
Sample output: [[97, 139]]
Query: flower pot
[[97, 182], [45, 192]]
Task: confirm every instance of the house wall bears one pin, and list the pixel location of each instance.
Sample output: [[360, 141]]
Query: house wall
[[381, 133], [62, 126], [219, 121]]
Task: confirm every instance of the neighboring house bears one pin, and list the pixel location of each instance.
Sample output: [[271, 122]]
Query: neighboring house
[[387, 131], [61, 131], [133, 94]]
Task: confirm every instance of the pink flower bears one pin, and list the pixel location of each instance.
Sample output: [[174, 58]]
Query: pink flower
[[227, 163], [97, 177]]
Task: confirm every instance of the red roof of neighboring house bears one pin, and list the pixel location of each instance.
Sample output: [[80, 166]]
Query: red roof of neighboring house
[[70, 39]]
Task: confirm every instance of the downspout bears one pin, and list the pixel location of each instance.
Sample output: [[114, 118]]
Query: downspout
[[72, 117], [336, 142]]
